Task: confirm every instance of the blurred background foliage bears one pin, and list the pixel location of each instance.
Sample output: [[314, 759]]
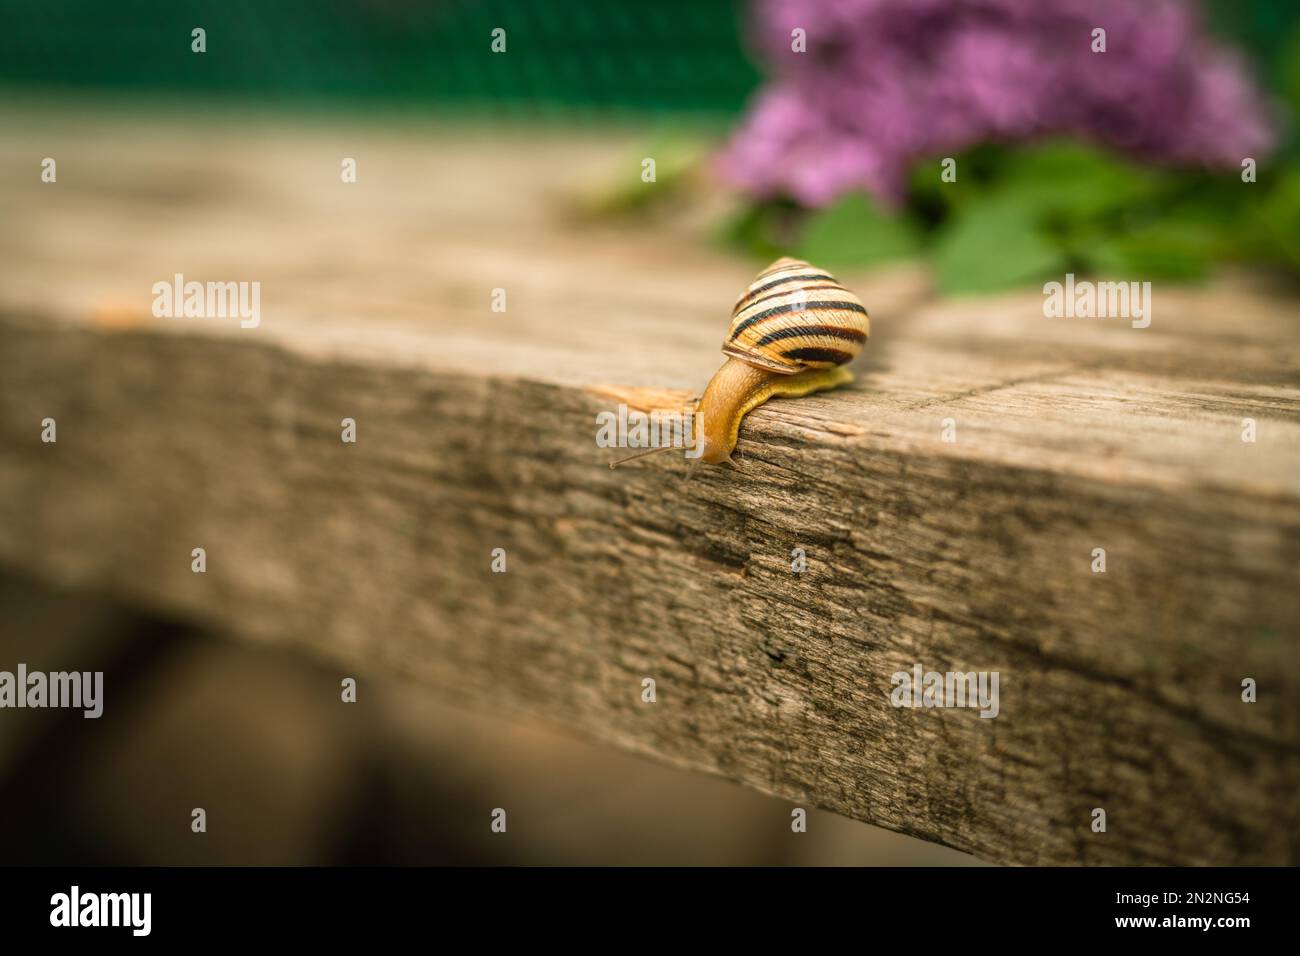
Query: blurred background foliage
[[1033, 212], [1022, 212]]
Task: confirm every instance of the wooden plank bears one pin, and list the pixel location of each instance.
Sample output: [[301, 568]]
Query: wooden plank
[[476, 431]]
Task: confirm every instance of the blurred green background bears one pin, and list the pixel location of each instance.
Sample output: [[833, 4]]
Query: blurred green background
[[566, 55]]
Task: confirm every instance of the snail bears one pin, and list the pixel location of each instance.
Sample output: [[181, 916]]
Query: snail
[[792, 332]]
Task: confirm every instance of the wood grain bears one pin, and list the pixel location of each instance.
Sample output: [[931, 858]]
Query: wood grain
[[476, 429]]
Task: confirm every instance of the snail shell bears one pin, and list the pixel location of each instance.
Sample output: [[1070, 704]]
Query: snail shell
[[795, 316]]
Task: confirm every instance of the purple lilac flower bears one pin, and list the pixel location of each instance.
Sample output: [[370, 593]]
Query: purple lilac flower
[[887, 82]]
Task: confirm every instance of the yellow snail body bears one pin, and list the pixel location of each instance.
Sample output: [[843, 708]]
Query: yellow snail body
[[792, 332], [737, 389]]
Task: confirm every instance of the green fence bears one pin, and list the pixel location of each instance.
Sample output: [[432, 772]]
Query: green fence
[[679, 55], [591, 55]]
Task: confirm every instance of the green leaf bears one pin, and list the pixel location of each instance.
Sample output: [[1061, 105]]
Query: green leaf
[[978, 169], [1273, 224], [1070, 182], [993, 244], [854, 233], [1164, 250]]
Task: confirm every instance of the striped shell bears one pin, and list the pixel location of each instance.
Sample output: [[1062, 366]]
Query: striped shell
[[795, 316]]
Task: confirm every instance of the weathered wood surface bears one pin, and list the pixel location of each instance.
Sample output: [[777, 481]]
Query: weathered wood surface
[[476, 431]]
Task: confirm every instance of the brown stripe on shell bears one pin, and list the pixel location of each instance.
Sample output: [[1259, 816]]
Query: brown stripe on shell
[[815, 356], [786, 265], [813, 331], [784, 280], [782, 295], [806, 297], [812, 307]]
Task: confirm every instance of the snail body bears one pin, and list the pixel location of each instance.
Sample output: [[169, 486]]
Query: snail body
[[792, 332], [737, 389]]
